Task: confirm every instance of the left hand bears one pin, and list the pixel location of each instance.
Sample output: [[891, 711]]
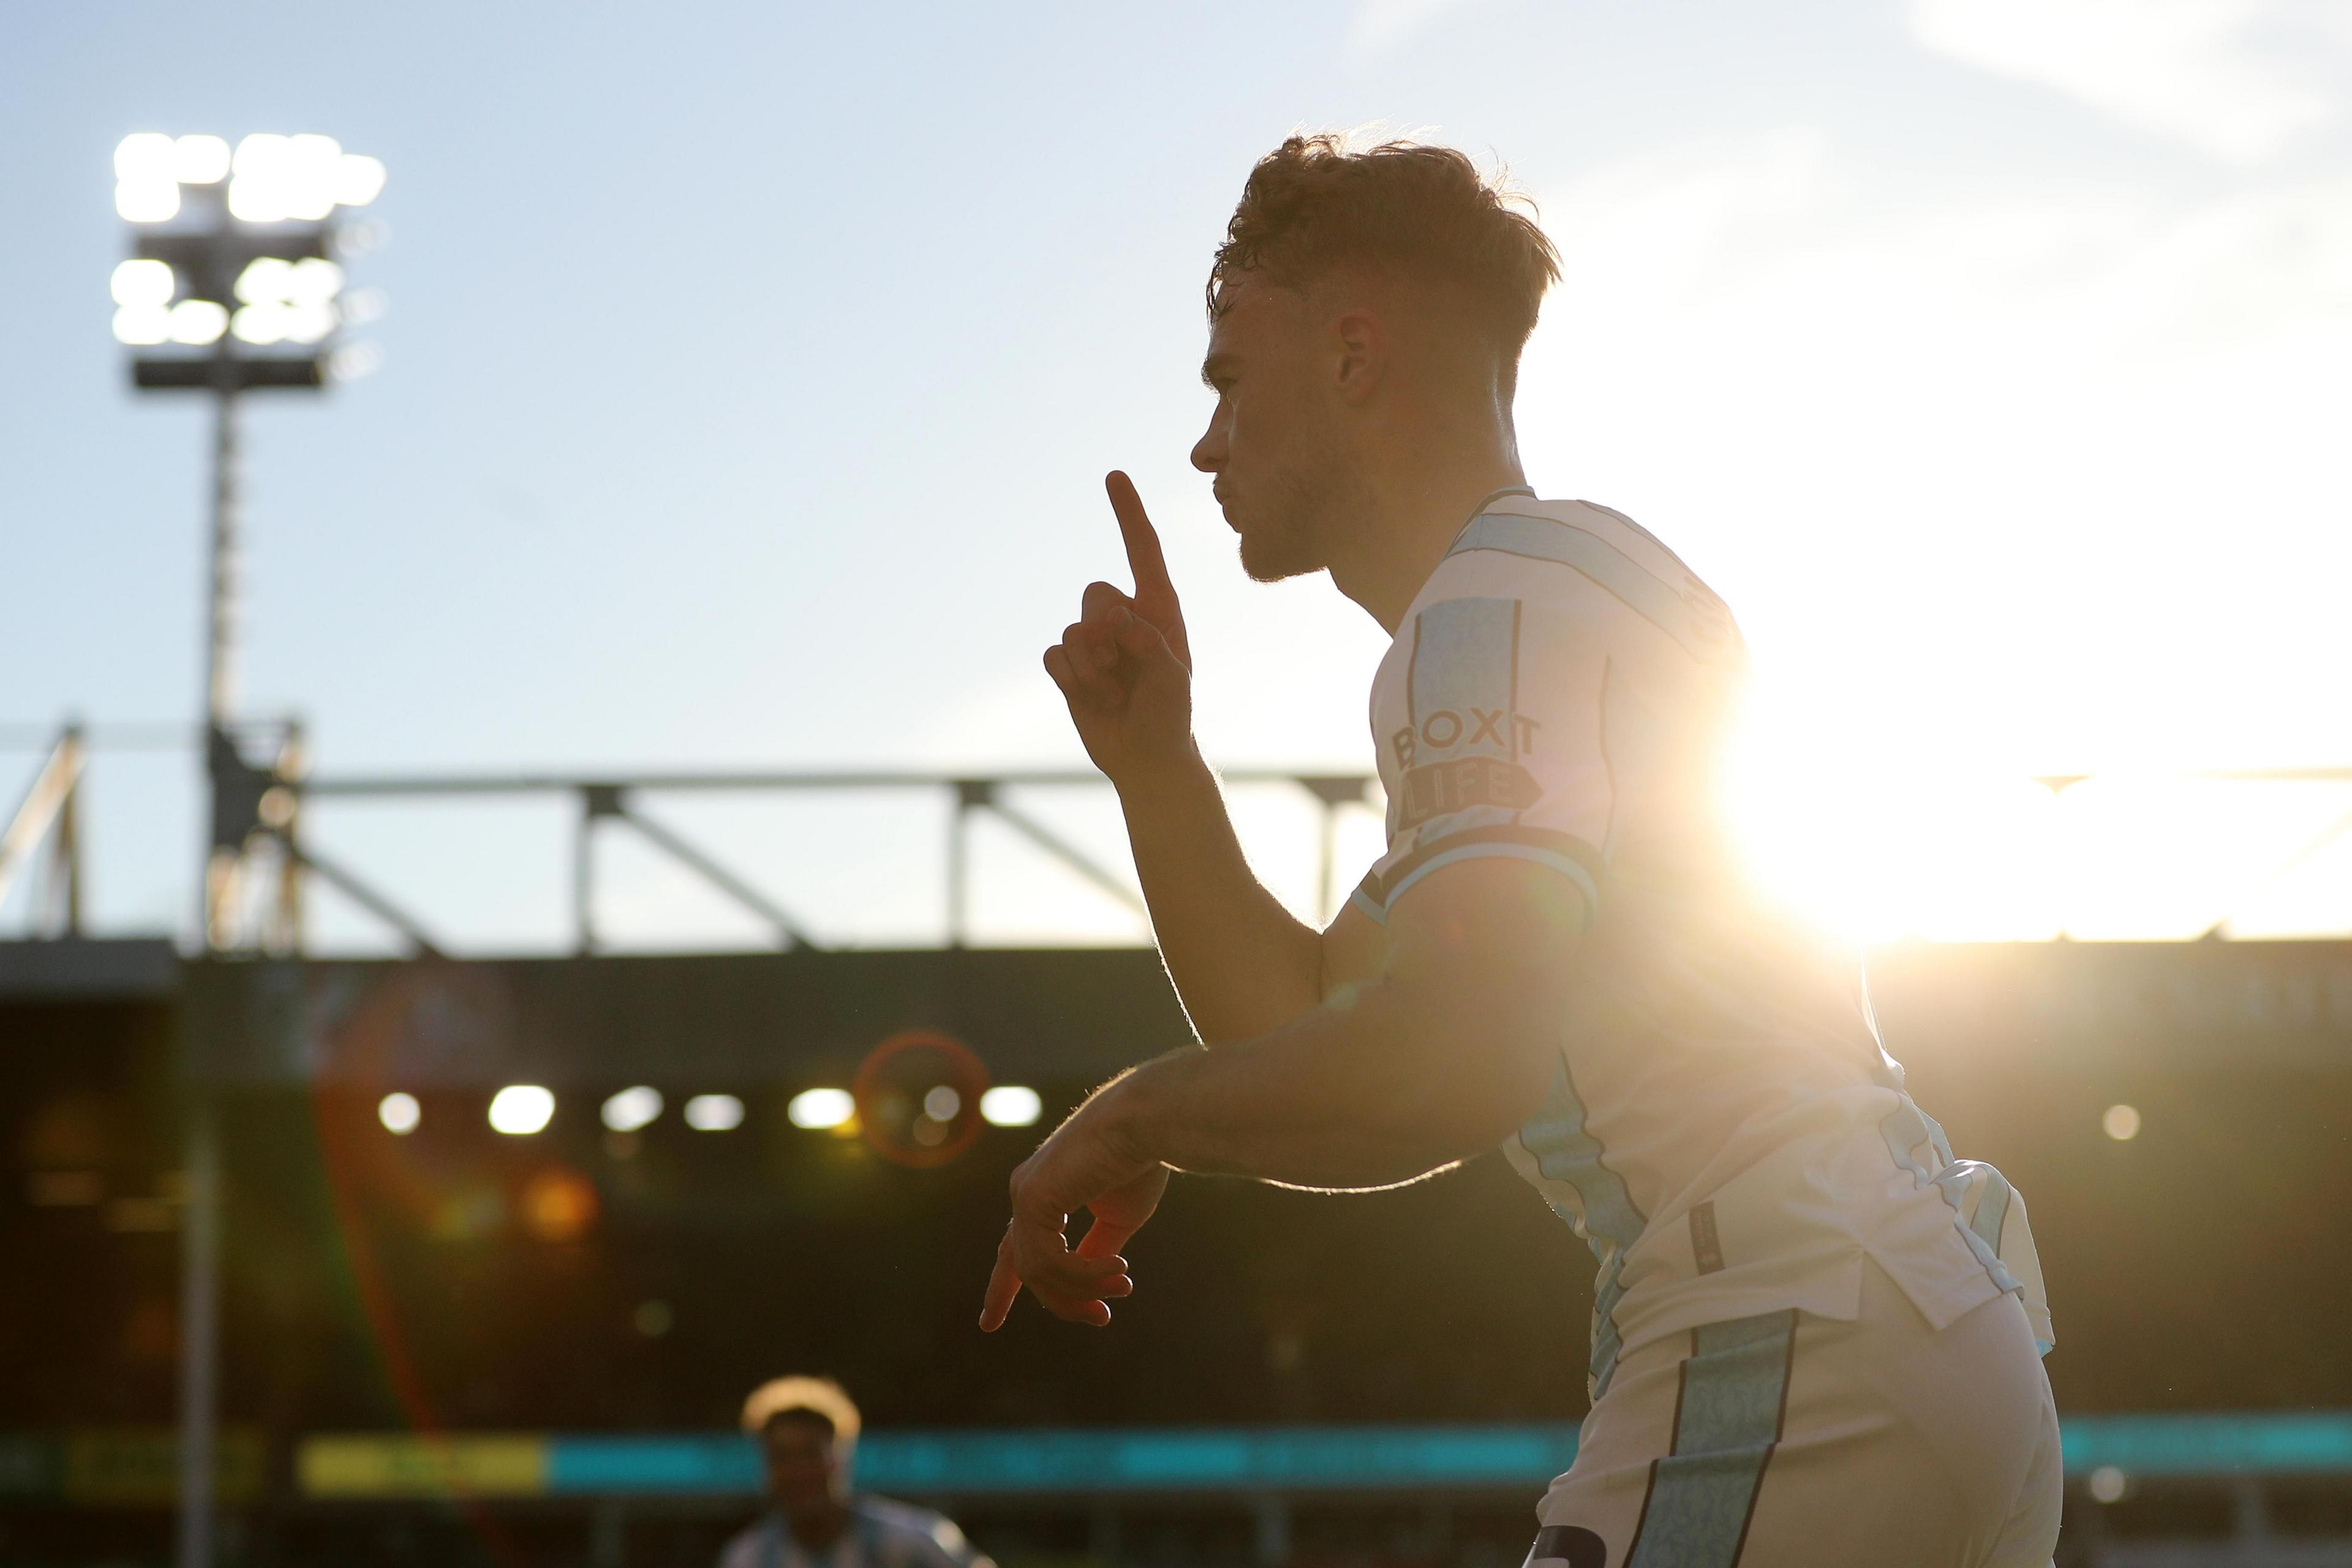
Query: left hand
[[1084, 1164]]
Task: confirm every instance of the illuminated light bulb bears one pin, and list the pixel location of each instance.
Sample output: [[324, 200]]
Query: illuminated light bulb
[[820, 1108], [253, 199], [266, 280], [145, 156], [143, 325], [262, 191], [198, 321], [143, 283], [148, 200], [714, 1113], [359, 179], [309, 323], [262, 152], [313, 281], [400, 1113], [633, 1109], [200, 160], [521, 1109], [310, 170], [1010, 1105], [260, 324], [2120, 1122]]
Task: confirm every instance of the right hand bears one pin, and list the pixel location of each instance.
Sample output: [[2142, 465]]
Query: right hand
[[1124, 665]]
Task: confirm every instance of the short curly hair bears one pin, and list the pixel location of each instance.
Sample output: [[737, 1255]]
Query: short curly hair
[[821, 1397], [1314, 202]]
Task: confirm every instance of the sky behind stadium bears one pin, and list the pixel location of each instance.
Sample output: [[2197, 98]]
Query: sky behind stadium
[[750, 372]]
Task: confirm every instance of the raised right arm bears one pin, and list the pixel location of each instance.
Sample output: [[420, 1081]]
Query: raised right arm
[[1241, 962]]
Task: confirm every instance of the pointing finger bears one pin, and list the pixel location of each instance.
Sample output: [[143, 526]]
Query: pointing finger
[[1004, 1290], [1143, 557]]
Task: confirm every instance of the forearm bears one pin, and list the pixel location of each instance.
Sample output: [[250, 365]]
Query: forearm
[[1241, 963], [1365, 1092]]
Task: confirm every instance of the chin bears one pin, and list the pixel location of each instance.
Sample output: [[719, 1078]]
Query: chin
[[1270, 557]]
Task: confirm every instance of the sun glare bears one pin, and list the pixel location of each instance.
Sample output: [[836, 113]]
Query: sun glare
[[1877, 839]]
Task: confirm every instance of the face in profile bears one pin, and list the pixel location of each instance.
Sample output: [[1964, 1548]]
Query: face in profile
[[1272, 443], [803, 1461]]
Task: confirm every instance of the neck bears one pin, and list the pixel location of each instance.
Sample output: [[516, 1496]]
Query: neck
[[1412, 511], [819, 1526]]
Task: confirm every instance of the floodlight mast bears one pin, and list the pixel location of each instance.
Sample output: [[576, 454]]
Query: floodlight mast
[[229, 249], [232, 250]]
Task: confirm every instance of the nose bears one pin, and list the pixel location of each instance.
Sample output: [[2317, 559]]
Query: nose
[[1209, 451]]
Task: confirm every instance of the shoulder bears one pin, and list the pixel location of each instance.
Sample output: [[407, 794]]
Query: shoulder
[[916, 1535], [1579, 558], [745, 1547]]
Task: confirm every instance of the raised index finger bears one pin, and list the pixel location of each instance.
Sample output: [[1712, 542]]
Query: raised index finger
[[1143, 557]]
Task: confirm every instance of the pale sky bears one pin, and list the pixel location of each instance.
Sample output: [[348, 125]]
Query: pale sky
[[750, 377]]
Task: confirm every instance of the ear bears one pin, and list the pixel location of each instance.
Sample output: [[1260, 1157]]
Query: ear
[[1363, 345]]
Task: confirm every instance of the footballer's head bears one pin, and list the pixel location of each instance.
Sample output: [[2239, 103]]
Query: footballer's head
[[1363, 299], [807, 1430]]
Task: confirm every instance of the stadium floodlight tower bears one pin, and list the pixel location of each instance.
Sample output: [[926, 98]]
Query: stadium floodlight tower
[[233, 284]]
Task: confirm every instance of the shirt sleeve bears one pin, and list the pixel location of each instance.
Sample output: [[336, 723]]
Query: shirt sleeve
[[1520, 718]]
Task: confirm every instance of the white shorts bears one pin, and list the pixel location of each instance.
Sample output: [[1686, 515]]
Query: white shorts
[[1788, 1440]]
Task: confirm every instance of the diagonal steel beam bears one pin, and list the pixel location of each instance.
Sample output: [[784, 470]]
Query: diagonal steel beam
[[1068, 854], [717, 874], [52, 787], [350, 885]]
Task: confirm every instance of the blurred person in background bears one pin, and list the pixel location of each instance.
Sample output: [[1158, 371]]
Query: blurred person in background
[[1816, 1333], [807, 1428]]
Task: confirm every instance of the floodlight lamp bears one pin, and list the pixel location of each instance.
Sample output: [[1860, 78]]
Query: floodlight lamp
[[200, 160], [521, 1109], [1010, 1105], [144, 156], [142, 326], [359, 179], [313, 281], [633, 1109], [310, 323], [261, 324], [400, 1113], [714, 1113], [143, 282], [311, 173], [820, 1108], [266, 280], [252, 199], [263, 152], [148, 200], [198, 322]]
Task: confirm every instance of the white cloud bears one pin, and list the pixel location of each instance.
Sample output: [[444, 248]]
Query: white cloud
[[2191, 69]]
